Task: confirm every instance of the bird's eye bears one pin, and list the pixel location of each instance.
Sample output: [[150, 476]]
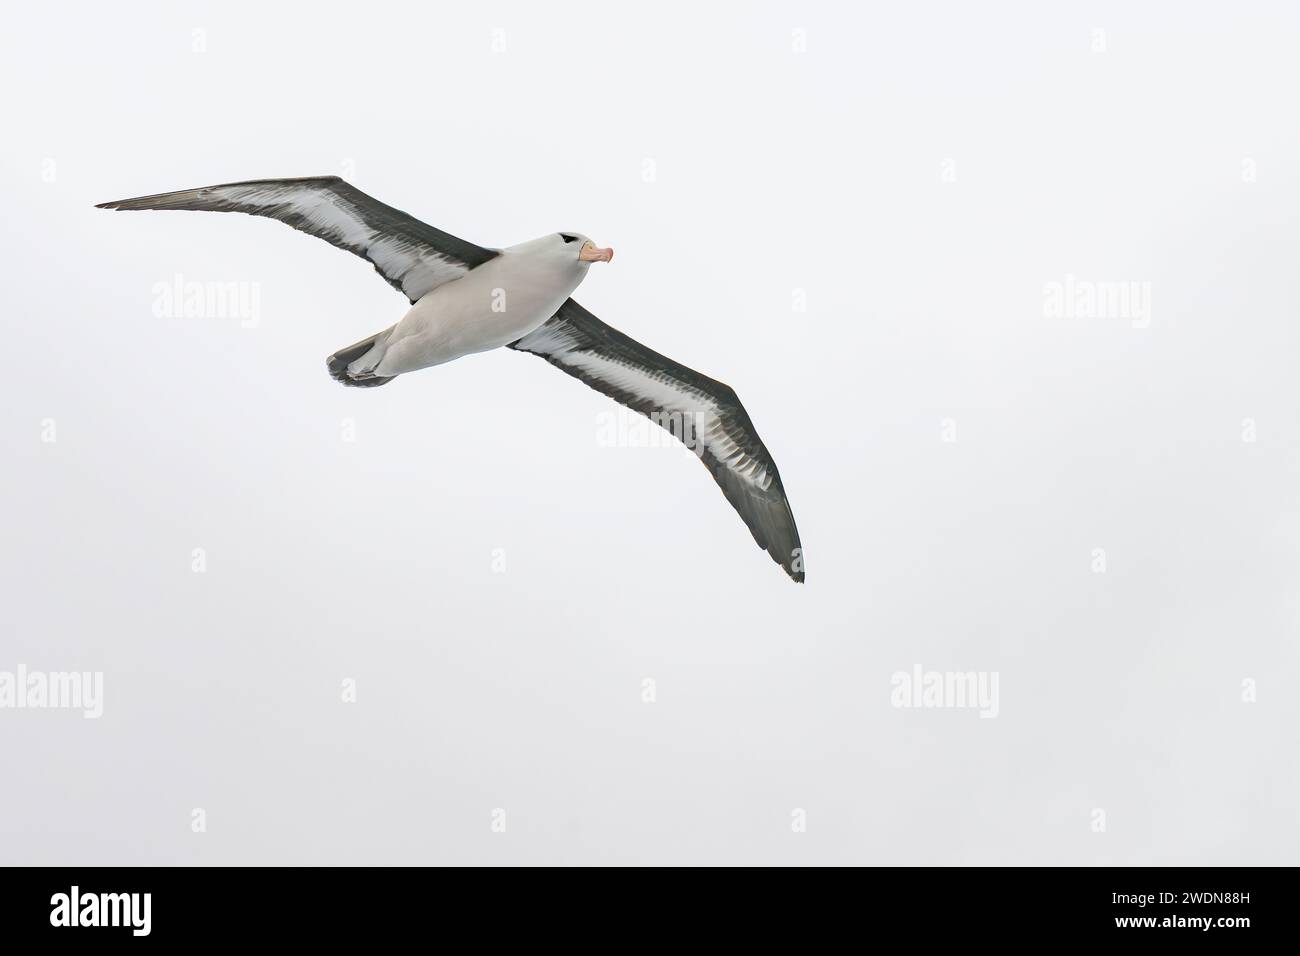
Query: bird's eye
[[568, 238]]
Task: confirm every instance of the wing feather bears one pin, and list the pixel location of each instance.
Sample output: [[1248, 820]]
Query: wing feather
[[704, 414], [412, 256]]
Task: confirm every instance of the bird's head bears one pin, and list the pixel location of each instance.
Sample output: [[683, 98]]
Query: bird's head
[[582, 249]]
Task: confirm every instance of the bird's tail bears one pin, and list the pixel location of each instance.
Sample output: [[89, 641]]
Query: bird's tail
[[364, 376]]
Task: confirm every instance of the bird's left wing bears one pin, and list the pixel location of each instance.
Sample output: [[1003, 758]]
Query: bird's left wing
[[412, 255], [704, 414]]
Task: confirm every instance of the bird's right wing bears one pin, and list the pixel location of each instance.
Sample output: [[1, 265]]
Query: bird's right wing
[[413, 256], [704, 414]]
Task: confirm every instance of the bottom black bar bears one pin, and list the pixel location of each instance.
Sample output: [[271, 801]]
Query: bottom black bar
[[91, 905]]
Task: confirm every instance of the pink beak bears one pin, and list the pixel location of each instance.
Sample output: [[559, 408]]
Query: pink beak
[[593, 253]]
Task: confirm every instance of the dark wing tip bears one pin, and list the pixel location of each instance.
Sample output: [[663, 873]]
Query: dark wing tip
[[171, 199], [792, 565], [157, 201]]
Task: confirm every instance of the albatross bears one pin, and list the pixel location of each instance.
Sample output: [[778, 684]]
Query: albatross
[[466, 298]]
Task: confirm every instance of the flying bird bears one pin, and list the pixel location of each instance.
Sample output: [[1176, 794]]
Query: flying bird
[[467, 298]]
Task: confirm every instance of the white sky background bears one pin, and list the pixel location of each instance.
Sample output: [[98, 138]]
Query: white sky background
[[775, 170]]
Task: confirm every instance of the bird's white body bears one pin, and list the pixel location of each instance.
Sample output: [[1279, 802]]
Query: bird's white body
[[501, 301]]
